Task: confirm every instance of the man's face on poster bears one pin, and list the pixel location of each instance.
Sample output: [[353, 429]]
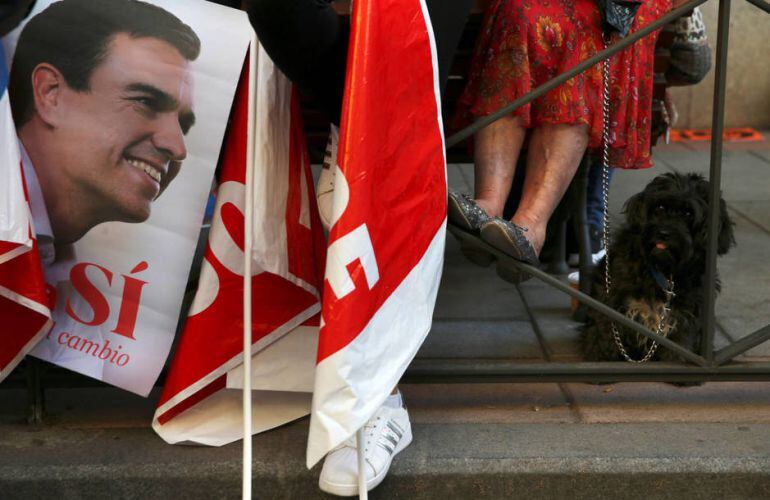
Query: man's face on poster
[[123, 139]]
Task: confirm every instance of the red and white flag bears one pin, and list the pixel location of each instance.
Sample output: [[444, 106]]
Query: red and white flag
[[386, 244], [24, 305], [201, 402]]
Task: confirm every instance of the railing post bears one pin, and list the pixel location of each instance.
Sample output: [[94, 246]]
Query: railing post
[[715, 177]]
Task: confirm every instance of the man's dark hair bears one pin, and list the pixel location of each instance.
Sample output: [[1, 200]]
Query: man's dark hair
[[11, 14], [74, 37]]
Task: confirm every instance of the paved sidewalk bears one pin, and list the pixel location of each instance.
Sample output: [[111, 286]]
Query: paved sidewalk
[[547, 440], [743, 306]]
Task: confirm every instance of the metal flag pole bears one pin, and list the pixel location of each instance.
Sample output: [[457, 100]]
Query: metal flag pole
[[247, 244], [363, 493]]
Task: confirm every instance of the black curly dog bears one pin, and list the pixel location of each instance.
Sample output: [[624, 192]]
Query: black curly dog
[[664, 237]]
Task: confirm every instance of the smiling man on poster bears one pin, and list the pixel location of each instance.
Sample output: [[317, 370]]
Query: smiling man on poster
[[107, 117], [103, 132]]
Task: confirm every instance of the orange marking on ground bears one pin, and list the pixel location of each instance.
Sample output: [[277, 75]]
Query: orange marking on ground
[[743, 134]]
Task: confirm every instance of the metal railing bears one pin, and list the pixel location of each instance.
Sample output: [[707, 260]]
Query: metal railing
[[709, 364]]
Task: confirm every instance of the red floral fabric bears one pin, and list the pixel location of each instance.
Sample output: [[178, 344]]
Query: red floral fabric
[[525, 43]]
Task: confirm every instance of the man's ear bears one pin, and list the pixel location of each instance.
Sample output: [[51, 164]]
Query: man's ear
[[47, 85]]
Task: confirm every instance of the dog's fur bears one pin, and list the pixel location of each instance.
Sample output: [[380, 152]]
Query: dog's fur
[[665, 229]]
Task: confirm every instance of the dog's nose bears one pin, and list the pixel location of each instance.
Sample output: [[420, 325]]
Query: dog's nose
[[664, 233]]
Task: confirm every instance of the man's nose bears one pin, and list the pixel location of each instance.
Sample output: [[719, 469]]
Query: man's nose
[[169, 138]]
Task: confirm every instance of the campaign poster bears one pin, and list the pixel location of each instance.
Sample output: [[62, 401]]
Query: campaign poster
[[121, 107]]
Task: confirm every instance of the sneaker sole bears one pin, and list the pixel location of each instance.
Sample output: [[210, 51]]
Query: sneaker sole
[[574, 259], [345, 490]]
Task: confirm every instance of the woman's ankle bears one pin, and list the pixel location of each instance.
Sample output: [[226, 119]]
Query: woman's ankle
[[490, 207]]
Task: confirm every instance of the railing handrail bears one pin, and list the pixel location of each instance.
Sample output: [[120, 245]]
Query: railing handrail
[[551, 84], [709, 357]]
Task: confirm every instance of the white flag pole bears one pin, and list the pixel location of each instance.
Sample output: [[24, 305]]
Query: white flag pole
[[247, 244], [363, 493]]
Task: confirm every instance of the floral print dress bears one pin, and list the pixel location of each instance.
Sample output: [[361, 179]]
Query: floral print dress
[[525, 43]]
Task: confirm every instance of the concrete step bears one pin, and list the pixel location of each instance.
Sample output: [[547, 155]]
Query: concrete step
[[535, 461], [539, 441]]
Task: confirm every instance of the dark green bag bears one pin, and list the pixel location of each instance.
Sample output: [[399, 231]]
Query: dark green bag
[[618, 15]]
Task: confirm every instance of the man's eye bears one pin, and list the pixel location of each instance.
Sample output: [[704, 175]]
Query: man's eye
[[147, 102]]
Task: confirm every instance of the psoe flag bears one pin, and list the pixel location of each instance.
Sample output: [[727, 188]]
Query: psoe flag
[[24, 307], [386, 244], [201, 400]]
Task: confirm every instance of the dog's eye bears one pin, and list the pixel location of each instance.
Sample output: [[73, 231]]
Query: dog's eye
[[660, 209]]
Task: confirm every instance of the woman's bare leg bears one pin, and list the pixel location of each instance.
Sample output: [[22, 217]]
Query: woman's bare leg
[[497, 148], [554, 155]]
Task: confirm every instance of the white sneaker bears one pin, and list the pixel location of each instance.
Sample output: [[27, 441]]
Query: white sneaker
[[325, 187], [574, 259], [385, 435]]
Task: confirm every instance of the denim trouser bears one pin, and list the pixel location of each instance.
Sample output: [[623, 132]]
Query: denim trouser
[[594, 199]]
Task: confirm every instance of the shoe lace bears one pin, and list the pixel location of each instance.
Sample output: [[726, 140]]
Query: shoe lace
[[370, 428], [370, 431]]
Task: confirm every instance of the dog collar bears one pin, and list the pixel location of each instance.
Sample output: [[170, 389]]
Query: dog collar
[[661, 280]]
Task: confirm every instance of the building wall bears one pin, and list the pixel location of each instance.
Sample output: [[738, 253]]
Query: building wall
[[747, 101]]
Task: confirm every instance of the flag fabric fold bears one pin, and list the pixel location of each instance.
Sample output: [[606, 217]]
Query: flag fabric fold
[[24, 304], [386, 243], [200, 402]]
